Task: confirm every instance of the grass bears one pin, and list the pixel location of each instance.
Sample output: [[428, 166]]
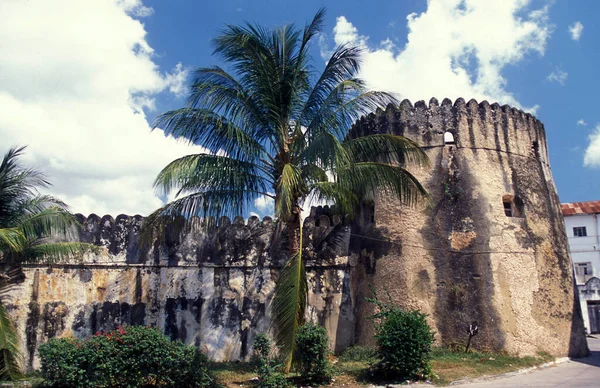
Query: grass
[[233, 374], [352, 367], [449, 366]]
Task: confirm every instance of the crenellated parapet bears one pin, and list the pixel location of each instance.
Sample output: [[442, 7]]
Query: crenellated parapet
[[472, 125], [217, 242]]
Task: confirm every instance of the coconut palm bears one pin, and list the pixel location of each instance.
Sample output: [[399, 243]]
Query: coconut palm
[[30, 225], [273, 127]]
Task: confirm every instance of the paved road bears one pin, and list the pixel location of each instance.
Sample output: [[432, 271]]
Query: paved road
[[584, 372]]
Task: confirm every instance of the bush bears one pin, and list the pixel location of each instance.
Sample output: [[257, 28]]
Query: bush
[[136, 357], [404, 342], [268, 369], [312, 348]]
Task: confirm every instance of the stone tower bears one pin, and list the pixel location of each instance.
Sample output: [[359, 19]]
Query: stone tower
[[490, 245]]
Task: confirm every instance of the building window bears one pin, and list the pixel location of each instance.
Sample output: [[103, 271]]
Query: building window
[[583, 272], [579, 231], [513, 206]]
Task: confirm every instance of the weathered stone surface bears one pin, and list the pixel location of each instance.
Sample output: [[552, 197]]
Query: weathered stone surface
[[210, 287], [459, 257]]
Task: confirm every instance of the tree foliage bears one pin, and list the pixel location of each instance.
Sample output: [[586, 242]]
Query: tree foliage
[[404, 341], [136, 356], [275, 127], [31, 224]]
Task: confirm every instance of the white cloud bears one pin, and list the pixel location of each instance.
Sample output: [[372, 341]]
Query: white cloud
[[456, 48], [591, 157], [576, 29], [265, 205], [558, 76], [581, 122], [74, 76], [135, 8], [176, 80]]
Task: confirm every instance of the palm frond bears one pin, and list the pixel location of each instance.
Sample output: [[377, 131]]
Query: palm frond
[[344, 199], [178, 213], [11, 357], [385, 148], [312, 174], [325, 151], [202, 172], [38, 203], [368, 179], [211, 131], [17, 184], [56, 252], [215, 90], [51, 222], [12, 240], [290, 187], [289, 305]]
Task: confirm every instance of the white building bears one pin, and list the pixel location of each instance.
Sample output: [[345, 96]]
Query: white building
[[581, 221]]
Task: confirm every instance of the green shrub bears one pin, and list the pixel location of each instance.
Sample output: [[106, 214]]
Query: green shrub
[[404, 342], [133, 357], [267, 368], [312, 348]]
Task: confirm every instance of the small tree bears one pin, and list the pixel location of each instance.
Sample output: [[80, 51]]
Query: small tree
[[312, 348], [404, 341], [267, 368], [276, 128]]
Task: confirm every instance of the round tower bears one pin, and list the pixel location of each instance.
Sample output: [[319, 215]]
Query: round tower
[[490, 244]]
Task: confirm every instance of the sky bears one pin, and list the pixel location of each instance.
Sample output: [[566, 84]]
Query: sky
[[82, 81]]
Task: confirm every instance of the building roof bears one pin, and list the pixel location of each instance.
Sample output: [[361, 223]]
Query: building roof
[[569, 209]]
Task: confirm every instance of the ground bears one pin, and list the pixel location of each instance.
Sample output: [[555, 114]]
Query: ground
[[583, 372]]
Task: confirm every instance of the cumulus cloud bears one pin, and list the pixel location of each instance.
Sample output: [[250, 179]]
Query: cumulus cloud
[[456, 48], [576, 29], [581, 122], [265, 205], [591, 157], [559, 76], [72, 87], [176, 80]]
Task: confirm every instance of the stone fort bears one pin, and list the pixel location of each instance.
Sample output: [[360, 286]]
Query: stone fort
[[488, 247]]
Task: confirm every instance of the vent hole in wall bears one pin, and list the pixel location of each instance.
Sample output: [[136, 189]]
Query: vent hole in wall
[[448, 138]]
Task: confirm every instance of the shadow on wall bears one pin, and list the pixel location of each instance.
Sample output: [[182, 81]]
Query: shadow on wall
[[594, 355], [576, 348]]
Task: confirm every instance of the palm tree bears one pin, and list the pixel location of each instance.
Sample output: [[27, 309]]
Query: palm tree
[[273, 127], [29, 225]]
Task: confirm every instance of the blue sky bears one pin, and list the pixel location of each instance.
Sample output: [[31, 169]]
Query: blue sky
[[81, 80]]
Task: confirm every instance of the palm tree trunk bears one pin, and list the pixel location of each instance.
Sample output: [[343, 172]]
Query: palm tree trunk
[[293, 232]]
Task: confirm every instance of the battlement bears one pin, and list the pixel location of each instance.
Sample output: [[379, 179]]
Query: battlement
[[221, 242], [472, 125]]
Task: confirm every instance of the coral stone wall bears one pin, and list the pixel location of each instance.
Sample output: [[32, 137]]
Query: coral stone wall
[[459, 257], [489, 247], [208, 287]]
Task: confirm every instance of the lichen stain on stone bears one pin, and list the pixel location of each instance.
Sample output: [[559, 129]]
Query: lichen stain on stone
[[449, 257], [461, 240]]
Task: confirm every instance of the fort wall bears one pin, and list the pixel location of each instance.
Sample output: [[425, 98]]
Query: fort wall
[[488, 247], [207, 286]]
